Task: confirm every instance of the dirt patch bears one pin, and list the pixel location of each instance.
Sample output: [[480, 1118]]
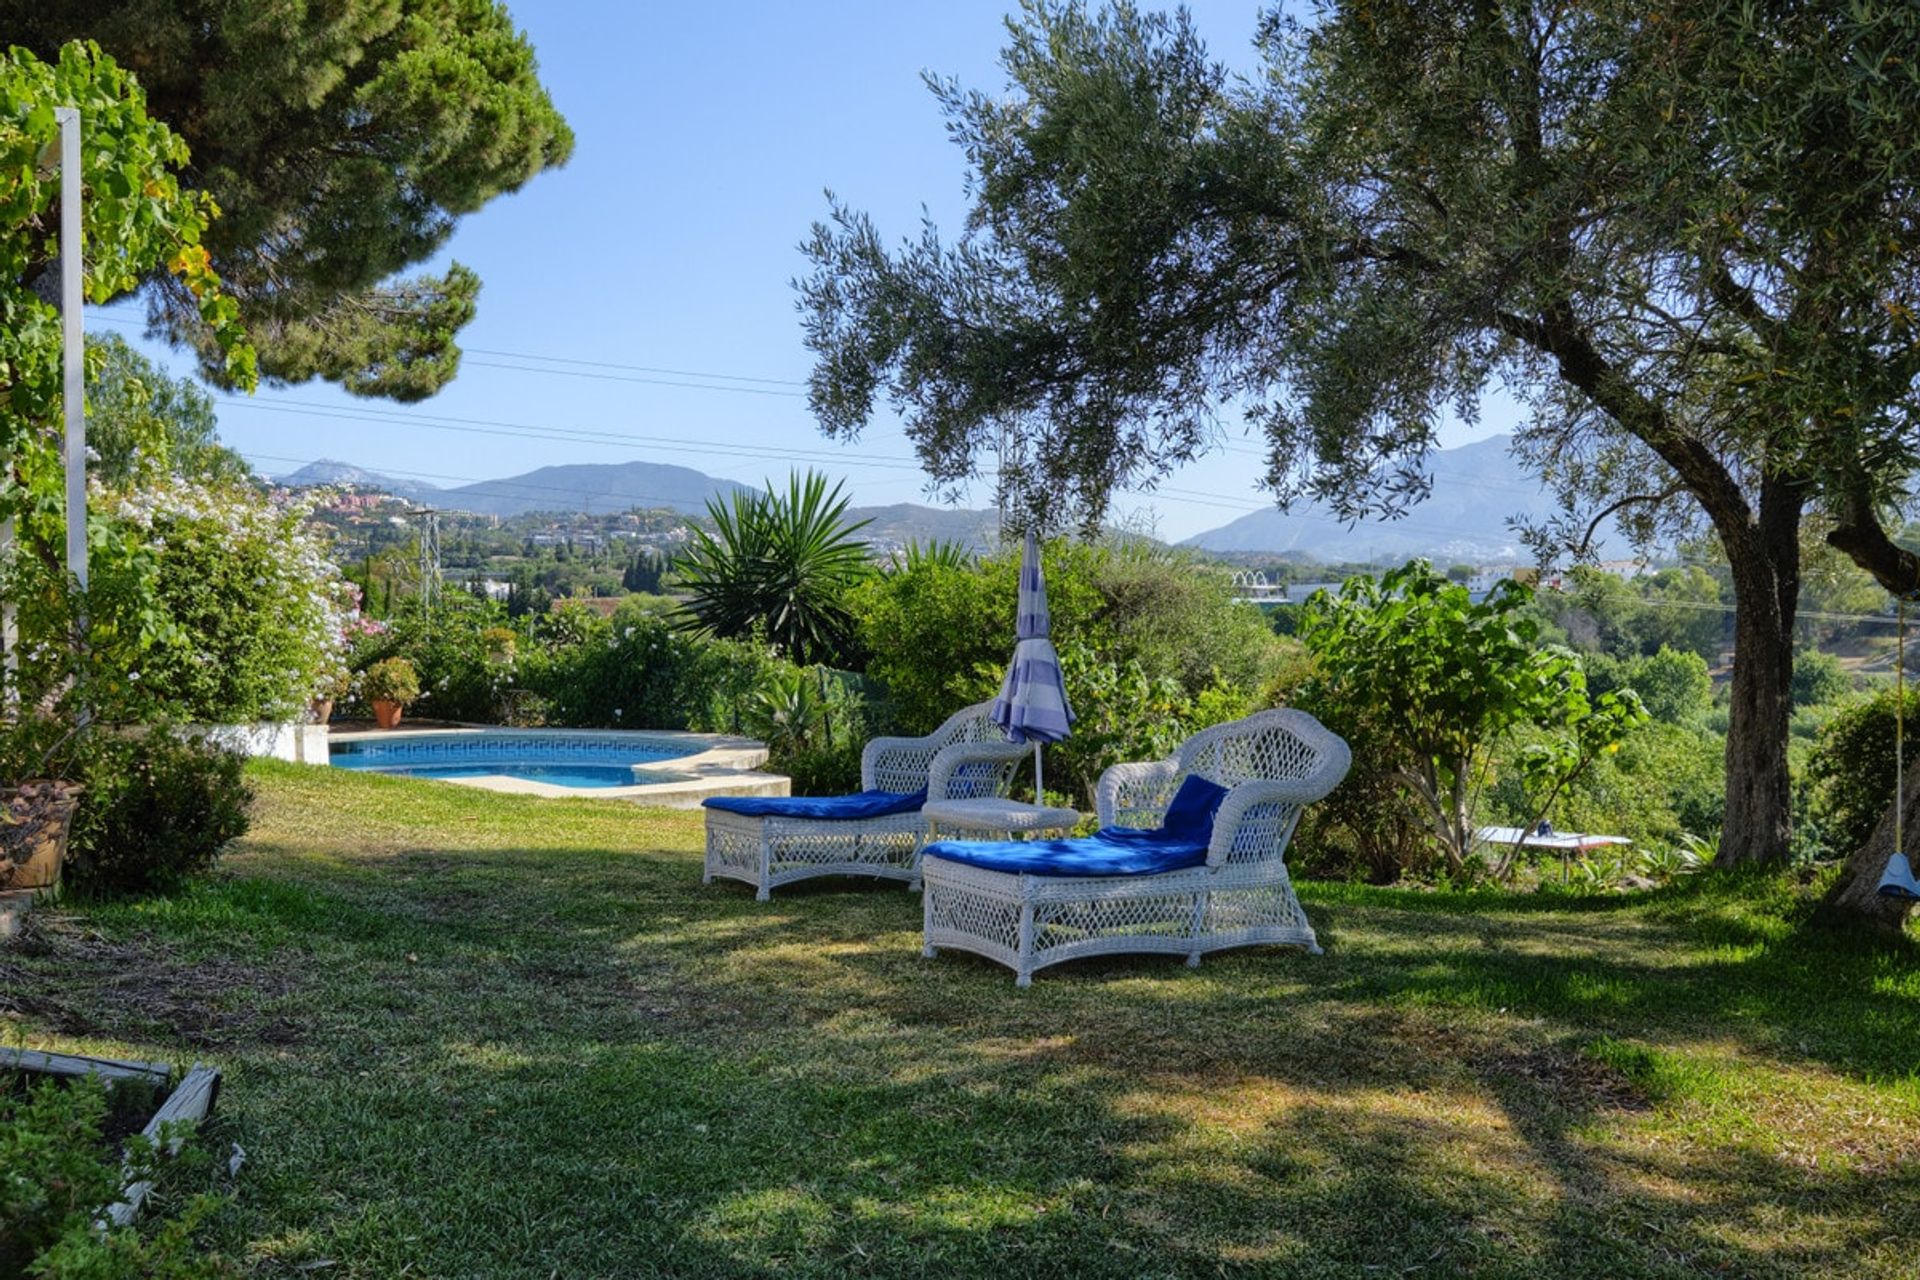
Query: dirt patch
[[76, 982], [1574, 1081]]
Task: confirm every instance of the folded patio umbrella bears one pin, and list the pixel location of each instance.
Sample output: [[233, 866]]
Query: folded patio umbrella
[[1032, 706]]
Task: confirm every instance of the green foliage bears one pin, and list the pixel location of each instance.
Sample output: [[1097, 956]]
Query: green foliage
[[245, 614], [1818, 678], [1673, 684], [940, 552], [1849, 774], [344, 141], [57, 1172], [156, 809], [1151, 646], [391, 680], [780, 565], [1444, 680], [136, 220], [814, 724], [449, 648], [1672, 609], [1665, 781], [143, 424]]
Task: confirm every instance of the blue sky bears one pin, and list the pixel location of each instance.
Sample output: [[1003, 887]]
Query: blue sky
[[706, 135]]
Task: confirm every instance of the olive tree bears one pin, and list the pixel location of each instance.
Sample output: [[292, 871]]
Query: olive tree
[[1684, 234]]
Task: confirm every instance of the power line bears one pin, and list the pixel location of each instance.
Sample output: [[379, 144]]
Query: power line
[[636, 368], [770, 390], [623, 377], [576, 435]]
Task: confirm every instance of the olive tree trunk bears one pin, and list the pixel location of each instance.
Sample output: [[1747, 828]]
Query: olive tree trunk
[[1855, 897], [1764, 555]]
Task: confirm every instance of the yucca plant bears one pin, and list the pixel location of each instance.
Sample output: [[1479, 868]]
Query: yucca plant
[[780, 564], [939, 553]]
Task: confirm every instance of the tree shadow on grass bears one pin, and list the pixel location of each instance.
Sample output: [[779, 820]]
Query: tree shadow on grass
[[524, 1060]]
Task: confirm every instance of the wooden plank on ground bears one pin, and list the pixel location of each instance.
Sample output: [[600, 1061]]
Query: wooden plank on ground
[[184, 1109], [69, 1064]]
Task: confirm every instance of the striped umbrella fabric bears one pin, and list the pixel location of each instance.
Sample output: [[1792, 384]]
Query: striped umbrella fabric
[[1032, 706]]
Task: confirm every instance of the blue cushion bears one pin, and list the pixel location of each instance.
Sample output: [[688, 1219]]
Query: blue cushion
[[866, 804], [1110, 851], [1193, 807]]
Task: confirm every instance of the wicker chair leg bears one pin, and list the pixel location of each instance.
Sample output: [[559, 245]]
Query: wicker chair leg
[[927, 949], [1197, 928], [764, 890], [1023, 975]]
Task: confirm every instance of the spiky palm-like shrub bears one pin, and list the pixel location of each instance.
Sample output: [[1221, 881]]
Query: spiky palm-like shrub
[[778, 564]]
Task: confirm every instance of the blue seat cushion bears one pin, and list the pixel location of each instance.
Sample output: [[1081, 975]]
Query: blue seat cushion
[[1110, 851], [865, 804], [1191, 812]]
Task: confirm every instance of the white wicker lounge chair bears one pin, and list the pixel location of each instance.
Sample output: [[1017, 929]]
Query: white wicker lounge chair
[[1272, 763], [968, 756]]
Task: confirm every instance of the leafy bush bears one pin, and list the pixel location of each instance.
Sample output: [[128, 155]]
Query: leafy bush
[[57, 1172], [453, 651], [1849, 774], [1442, 680], [1151, 645], [155, 810], [1673, 684], [249, 608], [1664, 783], [1818, 678], [154, 806]]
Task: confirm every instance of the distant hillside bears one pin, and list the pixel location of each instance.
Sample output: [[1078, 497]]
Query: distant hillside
[[326, 471], [1477, 488], [593, 488], [905, 522]]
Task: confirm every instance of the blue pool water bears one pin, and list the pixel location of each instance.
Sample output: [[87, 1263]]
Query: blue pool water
[[588, 762]]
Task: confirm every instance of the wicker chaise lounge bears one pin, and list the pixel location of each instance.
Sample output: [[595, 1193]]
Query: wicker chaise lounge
[[771, 842], [1169, 871]]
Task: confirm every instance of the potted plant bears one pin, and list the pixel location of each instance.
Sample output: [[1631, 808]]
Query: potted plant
[[35, 818], [36, 813], [391, 686], [333, 687]]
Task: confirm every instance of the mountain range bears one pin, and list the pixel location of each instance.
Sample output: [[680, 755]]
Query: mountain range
[[592, 488], [1477, 489]]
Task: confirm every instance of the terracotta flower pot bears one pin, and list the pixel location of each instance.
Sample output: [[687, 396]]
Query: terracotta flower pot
[[387, 714], [33, 834], [321, 709]]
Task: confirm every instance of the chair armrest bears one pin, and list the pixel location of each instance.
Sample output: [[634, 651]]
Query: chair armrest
[[896, 764], [1135, 795], [967, 770], [1256, 819]]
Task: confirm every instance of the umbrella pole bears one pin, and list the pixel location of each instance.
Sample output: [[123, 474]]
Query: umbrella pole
[[1039, 784]]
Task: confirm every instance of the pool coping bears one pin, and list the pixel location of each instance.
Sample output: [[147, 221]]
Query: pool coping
[[728, 765]]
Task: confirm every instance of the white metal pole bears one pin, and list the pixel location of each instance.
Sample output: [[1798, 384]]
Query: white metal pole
[[1039, 783], [73, 340], [9, 627]]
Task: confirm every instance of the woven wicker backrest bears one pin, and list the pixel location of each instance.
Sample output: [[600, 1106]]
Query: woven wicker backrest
[[1270, 746], [969, 724], [904, 764]]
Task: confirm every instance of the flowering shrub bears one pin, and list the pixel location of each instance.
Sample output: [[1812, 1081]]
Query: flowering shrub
[[246, 616], [391, 680]]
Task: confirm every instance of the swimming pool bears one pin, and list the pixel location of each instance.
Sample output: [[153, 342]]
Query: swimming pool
[[561, 759]]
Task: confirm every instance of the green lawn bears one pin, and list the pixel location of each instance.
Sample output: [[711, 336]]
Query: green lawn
[[478, 1035]]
